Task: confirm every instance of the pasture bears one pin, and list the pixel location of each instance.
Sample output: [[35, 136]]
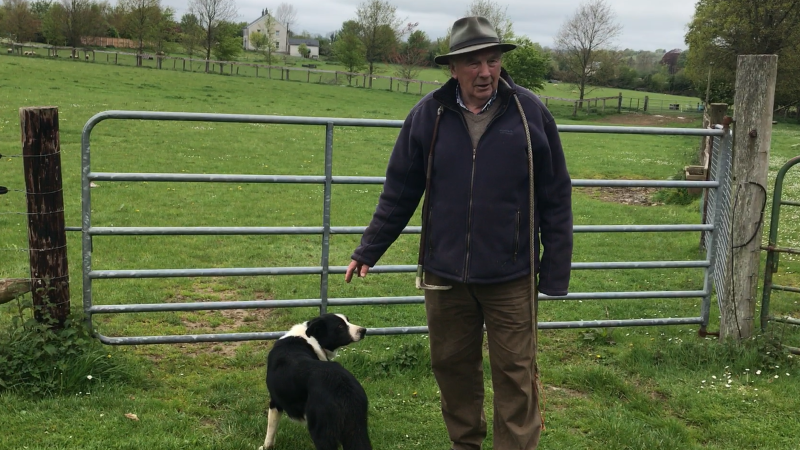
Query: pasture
[[628, 388]]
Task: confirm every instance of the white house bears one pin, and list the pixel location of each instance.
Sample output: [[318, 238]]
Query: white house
[[312, 44], [266, 24]]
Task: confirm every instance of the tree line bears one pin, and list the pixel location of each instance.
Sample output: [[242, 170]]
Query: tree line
[[584, 51]]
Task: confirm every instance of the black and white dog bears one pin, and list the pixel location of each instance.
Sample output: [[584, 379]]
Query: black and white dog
[[304, 382]]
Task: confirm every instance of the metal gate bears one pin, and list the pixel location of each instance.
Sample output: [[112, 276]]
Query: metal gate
[[774, 251], [720, 182]]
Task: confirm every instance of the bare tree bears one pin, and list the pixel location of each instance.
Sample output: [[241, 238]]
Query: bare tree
[[209, 14], [496, 14], [286, 15], [591, 29], [141, 19], [379, 29], [18, 21]]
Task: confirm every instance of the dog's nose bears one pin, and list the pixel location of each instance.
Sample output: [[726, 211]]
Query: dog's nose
[[362, 332]]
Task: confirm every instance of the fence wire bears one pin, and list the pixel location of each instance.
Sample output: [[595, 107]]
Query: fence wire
[[719, 212]]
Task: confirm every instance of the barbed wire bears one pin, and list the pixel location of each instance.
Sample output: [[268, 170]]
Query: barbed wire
[[34, 278], [20, 155], [33, 249], [4, 190], [29, 213]]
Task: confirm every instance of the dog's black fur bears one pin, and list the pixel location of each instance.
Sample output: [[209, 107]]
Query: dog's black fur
[[304, 383]]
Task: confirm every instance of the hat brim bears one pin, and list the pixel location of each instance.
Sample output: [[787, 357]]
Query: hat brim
[[443, 60]]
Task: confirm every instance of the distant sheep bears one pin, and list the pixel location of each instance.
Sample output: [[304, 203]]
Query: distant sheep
[[87, 57], [11, 50], [31, 53]]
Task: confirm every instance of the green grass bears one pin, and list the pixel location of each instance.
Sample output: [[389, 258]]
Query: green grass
[[637, 388]]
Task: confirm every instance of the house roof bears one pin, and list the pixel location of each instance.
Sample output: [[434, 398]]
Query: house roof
[[308, 42]]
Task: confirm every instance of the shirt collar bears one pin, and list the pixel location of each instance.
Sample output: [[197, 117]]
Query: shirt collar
[[461, 102]]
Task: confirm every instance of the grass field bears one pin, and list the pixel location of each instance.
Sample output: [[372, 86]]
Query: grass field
[[637, 388], [632, 100]]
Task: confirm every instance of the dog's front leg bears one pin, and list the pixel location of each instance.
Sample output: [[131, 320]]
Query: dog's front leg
[[272, 428]]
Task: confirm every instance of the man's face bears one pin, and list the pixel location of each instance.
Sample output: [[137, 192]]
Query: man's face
[[478, 74]]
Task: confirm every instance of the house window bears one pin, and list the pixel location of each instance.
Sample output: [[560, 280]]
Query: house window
[[277, 45], [258, 30], [277, 32]]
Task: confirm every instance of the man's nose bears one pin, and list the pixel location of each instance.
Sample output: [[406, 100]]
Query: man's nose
[[484, 70]]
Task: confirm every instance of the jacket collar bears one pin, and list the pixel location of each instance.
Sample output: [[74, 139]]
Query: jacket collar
[[446, 95]]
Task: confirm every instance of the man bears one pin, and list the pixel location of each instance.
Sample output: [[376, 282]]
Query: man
[[471, 147]]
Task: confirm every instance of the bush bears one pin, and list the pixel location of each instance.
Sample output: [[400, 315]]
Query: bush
[[38, 361]]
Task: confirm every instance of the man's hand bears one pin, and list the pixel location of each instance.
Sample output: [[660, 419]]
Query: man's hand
[[360, 269]]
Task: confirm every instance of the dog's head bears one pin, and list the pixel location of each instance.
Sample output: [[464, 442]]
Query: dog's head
[[333, 331]]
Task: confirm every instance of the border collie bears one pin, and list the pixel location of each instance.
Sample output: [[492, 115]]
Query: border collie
[[304, 383]]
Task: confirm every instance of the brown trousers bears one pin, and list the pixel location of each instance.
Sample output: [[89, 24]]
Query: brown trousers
[[455, 323]]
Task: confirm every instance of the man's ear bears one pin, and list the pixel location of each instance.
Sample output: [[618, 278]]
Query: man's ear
[[316, 328]]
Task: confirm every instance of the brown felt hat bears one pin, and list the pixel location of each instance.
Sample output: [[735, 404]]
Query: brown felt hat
[[471, 34]]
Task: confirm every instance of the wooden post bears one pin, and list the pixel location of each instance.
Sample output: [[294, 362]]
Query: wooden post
[[619, 105], [604, 106], [256, 71], [308, 76], [545, 102], [115, 57], [754, 100], [420, 88], [336, 76], [391, 83], [646, 102], [47, 237], [575, 111]]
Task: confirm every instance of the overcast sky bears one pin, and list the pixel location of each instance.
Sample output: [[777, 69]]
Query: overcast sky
[[646, 24]]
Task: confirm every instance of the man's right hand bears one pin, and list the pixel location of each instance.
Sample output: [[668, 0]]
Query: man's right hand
[[360, 269]]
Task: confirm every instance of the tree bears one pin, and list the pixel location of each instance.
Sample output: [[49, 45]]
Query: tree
[[379, 28], [141, 17], [349, 49], [286, 15], [191, 33], [228, 44], [496, 15], [304, 51], [68, 21], [165, 30], [18, 21], [592, 28], [528, 64], [210, 13], [267, 39], [411, 56], [722, 30]]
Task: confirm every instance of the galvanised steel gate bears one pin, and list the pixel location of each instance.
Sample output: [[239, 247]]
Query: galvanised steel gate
[[723, 138], [774, 251]]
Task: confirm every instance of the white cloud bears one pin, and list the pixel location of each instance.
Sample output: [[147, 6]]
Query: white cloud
[[646, 25]]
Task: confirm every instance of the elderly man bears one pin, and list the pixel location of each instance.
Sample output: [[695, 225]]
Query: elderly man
[[487, 155]]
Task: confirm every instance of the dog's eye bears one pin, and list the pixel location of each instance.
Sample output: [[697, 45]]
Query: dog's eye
[[341, 326]]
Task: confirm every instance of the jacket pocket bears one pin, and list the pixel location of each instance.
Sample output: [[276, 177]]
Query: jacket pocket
[[516, 238]]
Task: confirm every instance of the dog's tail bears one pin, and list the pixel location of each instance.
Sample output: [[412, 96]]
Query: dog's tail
[[359, 440]]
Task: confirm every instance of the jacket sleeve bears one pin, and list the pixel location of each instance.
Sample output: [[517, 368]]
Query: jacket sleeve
[[554, 196], [402, 191]]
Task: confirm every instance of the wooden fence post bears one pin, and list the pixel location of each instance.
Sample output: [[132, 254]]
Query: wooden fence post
[[391, 83], [47, 237], [754, 100], [619, 105], [575, 111], [646, 102]]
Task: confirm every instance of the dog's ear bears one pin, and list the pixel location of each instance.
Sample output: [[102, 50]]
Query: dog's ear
[[316, 328]]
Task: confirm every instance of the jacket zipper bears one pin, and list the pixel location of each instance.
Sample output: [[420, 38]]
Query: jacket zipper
[[472, 179], [471, 184]]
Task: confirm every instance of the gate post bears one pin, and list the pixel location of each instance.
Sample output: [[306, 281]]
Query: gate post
[[754, 100], [47, 238]]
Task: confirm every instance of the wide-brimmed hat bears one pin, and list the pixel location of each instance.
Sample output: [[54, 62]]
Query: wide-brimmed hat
[[470, 34]]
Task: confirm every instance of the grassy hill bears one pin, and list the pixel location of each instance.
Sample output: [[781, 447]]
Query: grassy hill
[[651, 387]]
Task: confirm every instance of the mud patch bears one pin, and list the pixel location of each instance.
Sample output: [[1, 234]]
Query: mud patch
[[639, 196]]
